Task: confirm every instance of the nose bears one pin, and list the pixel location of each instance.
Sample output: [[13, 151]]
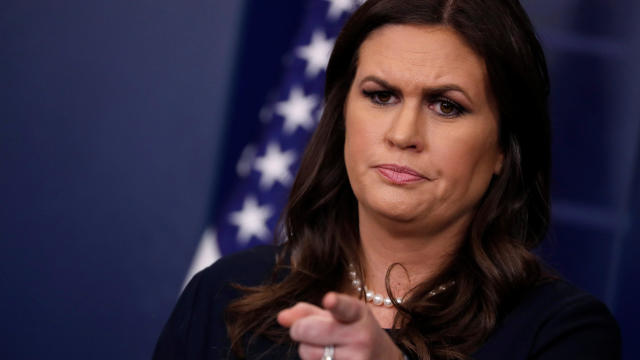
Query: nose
[[405, 130]]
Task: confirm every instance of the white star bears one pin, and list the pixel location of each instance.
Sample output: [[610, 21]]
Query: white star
[[338, 7], [297, 110], [274, 166], [316, 53], [251, 220], [243, 167]]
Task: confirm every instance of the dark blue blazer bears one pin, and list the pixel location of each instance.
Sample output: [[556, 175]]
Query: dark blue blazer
[[554, 321]]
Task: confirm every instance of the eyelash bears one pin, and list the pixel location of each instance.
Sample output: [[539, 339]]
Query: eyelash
[[374, 96], [438, 100]]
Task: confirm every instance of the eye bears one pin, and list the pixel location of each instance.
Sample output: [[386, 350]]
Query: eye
[[446, 108], [381, 97]]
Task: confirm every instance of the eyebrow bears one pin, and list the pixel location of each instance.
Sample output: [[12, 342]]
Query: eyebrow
[[430, 90]]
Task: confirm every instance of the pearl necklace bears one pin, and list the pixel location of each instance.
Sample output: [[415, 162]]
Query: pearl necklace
[[378, 299]]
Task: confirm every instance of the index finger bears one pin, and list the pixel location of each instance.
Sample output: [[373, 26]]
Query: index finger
[[344, 308], [288, 316]]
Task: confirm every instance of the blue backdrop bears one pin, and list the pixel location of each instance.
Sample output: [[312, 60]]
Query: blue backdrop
[[120, 122]]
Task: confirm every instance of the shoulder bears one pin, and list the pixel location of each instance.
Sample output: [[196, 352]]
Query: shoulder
[[555, 320], [196, 327], [249, 267]]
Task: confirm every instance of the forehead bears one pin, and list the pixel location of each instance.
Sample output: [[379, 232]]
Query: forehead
[[422, 55]]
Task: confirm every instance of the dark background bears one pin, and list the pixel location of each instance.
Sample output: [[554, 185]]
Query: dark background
[[115, 118]]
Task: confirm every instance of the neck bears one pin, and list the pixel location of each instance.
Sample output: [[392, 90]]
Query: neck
[[422, 254]]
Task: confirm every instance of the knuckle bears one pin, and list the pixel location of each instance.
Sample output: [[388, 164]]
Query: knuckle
[[296, 331], [309, 352], [304, 329], [300, 306]]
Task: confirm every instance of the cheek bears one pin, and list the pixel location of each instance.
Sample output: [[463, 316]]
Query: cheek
[[360, 139], [351, 146], [466, 162], [360, 148]]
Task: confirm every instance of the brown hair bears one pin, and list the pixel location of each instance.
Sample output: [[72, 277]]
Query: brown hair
[[494, 265]]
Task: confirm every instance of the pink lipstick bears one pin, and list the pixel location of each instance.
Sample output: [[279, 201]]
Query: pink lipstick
[[399, 174]]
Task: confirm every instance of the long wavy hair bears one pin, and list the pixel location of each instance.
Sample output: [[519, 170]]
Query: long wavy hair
[[494, 265]]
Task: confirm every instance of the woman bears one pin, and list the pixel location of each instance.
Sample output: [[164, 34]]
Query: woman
[[417, 203]]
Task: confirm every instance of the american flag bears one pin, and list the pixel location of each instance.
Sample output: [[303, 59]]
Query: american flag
[[267, 166]]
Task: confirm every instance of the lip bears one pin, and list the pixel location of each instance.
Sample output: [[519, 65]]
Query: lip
[[400, 175]]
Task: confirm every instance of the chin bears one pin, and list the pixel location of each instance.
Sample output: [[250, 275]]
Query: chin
[[398, 212]]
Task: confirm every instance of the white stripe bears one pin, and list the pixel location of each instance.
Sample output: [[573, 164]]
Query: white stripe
[[205, 255]]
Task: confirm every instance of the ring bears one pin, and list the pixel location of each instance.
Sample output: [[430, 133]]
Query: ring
[[328, 352]]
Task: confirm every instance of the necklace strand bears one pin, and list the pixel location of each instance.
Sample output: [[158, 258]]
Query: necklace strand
[[381, 300]]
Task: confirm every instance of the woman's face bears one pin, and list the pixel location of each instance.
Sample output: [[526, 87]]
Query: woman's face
[[421, 142]]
